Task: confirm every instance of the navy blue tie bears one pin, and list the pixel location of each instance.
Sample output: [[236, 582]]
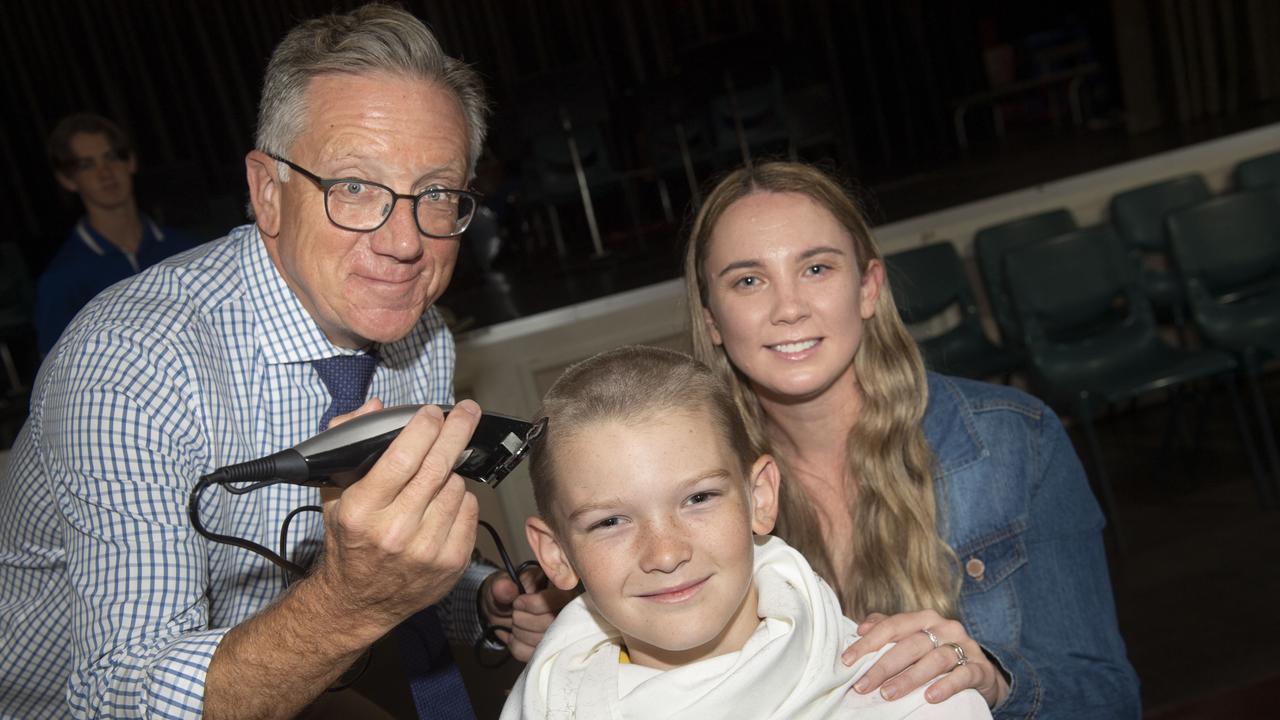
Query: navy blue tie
[[434, 680], [347, 379]]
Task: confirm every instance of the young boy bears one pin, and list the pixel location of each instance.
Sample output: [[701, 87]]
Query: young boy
[[650, 496]]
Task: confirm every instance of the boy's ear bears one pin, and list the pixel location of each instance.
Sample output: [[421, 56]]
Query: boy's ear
[[764, 494], [264, 191], [551, 555]]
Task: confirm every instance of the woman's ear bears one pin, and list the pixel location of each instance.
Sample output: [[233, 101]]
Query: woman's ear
[[712, 330], [551, 555], [872, 284], [764, 494], [264, 191]]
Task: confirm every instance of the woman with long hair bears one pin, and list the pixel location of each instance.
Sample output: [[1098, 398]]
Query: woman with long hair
[[951, 517]]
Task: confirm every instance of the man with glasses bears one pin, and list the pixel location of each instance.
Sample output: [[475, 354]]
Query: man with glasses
[[110, 603]]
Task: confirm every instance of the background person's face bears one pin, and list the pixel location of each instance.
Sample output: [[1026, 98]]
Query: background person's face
[[102, 177], [785, 297], [408, 134]]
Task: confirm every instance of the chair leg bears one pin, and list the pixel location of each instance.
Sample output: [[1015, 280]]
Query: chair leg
[[1085, 415], [1260, 481], [1251, 372]]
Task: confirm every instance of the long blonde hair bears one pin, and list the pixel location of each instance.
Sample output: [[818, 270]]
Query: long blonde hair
[[899, 561]]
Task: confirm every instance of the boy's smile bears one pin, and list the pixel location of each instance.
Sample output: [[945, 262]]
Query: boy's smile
[[655, 519]]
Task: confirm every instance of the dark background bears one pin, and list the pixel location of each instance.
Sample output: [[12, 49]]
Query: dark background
[[867, 87]]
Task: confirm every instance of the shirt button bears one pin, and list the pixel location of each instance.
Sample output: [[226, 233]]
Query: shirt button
[[975, 568]]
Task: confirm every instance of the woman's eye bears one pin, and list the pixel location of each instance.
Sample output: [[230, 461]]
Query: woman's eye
[[749, 281], [817, 269]]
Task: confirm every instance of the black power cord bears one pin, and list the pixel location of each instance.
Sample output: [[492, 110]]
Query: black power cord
[[491, 651]]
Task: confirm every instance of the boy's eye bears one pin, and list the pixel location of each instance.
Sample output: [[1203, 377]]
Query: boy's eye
[[612, 521], [702, 497]]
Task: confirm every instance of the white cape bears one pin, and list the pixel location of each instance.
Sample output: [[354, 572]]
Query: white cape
[[789, 668]]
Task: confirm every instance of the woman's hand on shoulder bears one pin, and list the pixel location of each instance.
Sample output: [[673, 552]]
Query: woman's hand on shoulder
[[916, 658]]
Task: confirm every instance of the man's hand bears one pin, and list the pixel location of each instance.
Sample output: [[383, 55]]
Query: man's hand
[[397, 540], [521, 619]]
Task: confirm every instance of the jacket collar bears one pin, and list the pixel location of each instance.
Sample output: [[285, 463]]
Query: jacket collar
[[949, 427]]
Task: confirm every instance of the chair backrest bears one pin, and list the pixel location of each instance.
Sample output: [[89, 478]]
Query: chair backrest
[[926, 281], [992, 244], [1259, 172], [1068, 287], [1229, 243], [1139, 214]]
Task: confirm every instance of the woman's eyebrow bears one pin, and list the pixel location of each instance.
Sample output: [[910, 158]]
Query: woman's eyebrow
[[821, 250], [738, 265]]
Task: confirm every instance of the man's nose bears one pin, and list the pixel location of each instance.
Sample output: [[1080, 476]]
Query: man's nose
[[399, 236]]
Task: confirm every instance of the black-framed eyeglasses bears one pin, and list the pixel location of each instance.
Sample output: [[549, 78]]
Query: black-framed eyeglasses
[[362, 205]]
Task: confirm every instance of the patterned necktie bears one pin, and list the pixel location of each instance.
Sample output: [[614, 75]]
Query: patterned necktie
[[434, 680], [347, 379]]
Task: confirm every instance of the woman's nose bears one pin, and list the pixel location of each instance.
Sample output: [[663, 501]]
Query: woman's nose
[[665, 550], [789, 304]]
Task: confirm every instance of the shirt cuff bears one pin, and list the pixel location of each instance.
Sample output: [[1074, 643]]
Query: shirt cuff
[[1025, 694], [459, 611]]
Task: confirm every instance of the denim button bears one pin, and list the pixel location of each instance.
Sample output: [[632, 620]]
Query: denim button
[[975, 568]]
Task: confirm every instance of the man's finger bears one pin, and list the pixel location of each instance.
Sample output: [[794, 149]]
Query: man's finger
[[442, 454]]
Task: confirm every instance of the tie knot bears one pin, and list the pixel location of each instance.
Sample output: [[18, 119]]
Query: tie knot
[[346, 377]]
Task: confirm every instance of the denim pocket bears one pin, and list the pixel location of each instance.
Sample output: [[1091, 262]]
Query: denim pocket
[[988, 598]]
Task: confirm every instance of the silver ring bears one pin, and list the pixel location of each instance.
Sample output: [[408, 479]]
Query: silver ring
[[932, 638], [962, 658]]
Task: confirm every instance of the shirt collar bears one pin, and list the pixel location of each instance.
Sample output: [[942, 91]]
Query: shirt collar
[[949, 427], [98, 245], [290, 334]]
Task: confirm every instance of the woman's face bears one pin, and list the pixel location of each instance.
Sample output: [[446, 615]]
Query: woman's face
[[785, 297]]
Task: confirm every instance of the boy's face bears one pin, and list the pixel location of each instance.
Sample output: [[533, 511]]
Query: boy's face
[[656, 520]]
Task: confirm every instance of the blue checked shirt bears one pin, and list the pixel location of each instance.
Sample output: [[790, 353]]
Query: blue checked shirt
[[110, 603]]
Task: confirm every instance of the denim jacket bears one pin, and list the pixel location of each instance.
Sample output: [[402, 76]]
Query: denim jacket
[[1016, 507]]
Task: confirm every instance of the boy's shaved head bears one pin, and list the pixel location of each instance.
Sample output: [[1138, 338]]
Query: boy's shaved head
[[630, 385]]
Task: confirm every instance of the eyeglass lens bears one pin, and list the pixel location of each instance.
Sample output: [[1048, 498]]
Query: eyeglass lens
[[365, 206]]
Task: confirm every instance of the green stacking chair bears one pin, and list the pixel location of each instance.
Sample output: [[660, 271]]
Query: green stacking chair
[[1228, 254], [1092, 339], [1138, 216], [1259, 172], [928, 282], [991, 245]]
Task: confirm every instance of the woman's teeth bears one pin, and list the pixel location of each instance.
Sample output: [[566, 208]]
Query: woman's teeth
[[795, 347]]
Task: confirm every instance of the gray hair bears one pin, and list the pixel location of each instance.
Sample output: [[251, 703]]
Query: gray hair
[[369, 39]]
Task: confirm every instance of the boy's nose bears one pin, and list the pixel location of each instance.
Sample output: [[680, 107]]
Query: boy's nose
[[665, 550]]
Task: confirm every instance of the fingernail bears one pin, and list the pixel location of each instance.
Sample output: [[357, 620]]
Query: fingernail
[[860, 686], [889, 693], [931, 695]]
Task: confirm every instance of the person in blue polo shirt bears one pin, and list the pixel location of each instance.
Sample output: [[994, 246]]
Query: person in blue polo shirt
[[93, 158]]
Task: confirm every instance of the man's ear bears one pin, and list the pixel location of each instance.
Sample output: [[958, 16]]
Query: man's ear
[[764, 494], [551, 555], [712, 329], [872, 285], [264, 191]]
